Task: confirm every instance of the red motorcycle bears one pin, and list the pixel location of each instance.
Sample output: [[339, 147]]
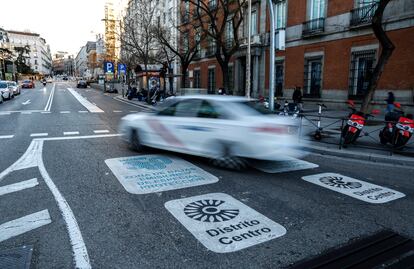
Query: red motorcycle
[[353, 128], [398, 128]]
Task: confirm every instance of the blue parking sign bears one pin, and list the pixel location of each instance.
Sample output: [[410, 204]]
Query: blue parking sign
[[122, 68], [109, 67]]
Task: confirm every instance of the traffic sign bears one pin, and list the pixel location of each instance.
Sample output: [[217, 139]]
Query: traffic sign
[[122, 68], [109, 67]]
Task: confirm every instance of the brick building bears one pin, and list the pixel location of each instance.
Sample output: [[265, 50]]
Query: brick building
[[330, 51]]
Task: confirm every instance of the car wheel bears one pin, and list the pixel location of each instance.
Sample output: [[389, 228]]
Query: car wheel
[[135, 142], [227, 161], [1, 99]]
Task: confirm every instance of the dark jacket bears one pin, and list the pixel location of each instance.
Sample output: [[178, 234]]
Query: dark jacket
[[297, 96]]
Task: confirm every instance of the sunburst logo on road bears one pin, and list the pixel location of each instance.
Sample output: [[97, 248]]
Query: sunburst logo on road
[[340, 183], [209, 211]]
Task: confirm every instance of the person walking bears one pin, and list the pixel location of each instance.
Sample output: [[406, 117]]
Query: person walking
[[390, 102], [297, 98]]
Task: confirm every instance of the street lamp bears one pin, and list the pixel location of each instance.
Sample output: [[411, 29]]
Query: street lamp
[[248, 56]]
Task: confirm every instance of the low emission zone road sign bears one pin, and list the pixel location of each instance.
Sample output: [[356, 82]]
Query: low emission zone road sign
[[223, 224], [355, 188]]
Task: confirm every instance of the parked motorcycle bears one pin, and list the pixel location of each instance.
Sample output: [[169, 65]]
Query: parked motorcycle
[[353, 128], [398, 128], [290, 109]]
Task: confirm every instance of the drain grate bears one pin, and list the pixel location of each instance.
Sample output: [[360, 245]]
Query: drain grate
[[16, 258], [384, 249]]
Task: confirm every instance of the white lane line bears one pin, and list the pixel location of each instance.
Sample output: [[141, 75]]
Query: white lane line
[[83, 111], [70, 133], [38, 134], [25, 224], [45, 112], [75, 137], [133, 111], [19, 186], [6, 136], [117, 111], [26, 112], [5, 113], [64, 112], [88, 105], [101, 131], [50, 100]]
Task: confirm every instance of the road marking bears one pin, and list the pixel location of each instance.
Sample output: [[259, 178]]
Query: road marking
[[64, 112], [50, 100], [133, 111], [18, 186], [26, 102], [223, 224], [26, 112], [6, 136], [38, 134], [70, 133], [25, 224], [88, 105], [101, 131], [5, 113], [286, 164], [117, 111], [355, 188], [83, 111], [45, 112], [33, 158], [155, 173]]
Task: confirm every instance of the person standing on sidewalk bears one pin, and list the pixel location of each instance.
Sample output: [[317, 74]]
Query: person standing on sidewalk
[[390, 102], [297, 98]]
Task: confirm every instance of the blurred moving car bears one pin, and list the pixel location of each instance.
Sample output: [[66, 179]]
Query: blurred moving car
[[14, 87], [214, 127], [65, 78], [82, 84], [5, 91], [28, 84]]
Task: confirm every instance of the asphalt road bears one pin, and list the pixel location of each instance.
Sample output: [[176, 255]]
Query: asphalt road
[[91, 220]]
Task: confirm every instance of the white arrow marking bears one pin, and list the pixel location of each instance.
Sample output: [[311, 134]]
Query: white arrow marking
[[26, 102]]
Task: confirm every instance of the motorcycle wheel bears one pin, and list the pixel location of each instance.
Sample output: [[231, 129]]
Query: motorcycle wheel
[[400, 141], [317, 135], [348, 138], [383, 140]]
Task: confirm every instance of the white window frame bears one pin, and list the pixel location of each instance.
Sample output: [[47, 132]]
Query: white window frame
[[280, 14]]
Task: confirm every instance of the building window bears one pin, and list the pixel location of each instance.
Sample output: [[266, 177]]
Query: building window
[[35, 61], [197, 79], [280, 15], [186, 44], [229, 33], [316, 9], [313, 77], [363, 12], [231, 80], [279, 78], [197, 40], [211, 49], [362, 65], [212, 4], [254, 22], [211, 84]]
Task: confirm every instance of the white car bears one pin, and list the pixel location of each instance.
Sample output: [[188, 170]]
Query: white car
[[14, 87], [5, 91], [213, 127]]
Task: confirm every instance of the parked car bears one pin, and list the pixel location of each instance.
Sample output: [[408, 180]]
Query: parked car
[[215, 127], [28, 84], [14, 87], [5, 91], [82, 84]]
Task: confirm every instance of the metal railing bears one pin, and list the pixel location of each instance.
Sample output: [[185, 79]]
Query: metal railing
[[313, 27], [363, 15]]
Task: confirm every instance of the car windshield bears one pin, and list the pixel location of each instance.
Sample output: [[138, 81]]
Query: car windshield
[[26, 81], [11, 83], [3, 85]]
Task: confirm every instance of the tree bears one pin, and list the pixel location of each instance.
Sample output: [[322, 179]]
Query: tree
[[22, 56], [185, 52], [387, 48], [220, 21], [138, 38]]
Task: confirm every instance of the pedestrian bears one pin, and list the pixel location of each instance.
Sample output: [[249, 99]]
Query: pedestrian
[[297, 98], [390, 102]]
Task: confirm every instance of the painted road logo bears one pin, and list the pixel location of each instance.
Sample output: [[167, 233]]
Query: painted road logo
[[223, 224], [156, 173], [355, 188]]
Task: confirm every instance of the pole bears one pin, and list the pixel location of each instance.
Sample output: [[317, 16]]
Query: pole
[[248, 56], [272, 57]]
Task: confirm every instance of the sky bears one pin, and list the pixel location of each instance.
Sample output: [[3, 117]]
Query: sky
[[65, 24]]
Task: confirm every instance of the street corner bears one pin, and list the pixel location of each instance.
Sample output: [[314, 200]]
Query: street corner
[[355, 188], [222, 223], [145, 174]]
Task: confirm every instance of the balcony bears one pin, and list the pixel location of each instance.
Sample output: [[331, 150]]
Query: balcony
[[313, 27], [362, 16], [211, 51], [229, 43]]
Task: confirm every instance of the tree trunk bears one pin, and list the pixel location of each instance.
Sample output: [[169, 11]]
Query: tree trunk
[[171, 80], [225, 73], [184, 67], [387, 47]]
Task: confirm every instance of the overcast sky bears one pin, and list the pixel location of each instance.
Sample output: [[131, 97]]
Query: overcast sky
[[65, 24]]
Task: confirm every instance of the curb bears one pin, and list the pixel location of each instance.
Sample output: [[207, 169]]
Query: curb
[[372, 157]]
